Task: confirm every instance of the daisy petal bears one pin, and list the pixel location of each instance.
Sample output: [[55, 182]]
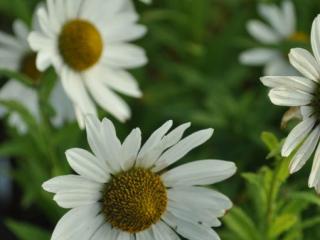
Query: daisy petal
[[202, 172], [314, 178], [297, 135], [105, 232], [182, 148], [87, 165], [162, 231], [73, 199], [293, 83], [190, 230], [287, 97], [262, 32], [152, 141], [130, 148], [305, 63], [258, 56], [70, 183], [315, 38], [305, 151], [74, 220]]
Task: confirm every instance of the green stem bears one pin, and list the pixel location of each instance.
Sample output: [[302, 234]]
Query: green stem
[[272, 195]]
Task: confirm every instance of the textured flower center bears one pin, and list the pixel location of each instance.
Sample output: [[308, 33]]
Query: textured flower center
[[134, 200], [299, 37], [28, 67], [80, 44]]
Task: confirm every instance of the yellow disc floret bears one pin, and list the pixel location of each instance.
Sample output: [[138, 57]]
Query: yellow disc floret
[[28, 67], [299, 37], [80, 44], [134, 200]]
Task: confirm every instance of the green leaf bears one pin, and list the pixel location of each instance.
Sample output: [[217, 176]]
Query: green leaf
[[309, 197], [26, 231], [281, 224], [241, 225], [17, 76]]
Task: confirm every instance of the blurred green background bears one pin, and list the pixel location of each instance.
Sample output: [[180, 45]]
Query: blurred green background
[[193, 75]]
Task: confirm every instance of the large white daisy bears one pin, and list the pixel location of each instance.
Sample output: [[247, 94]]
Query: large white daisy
[[126, 191], [87, 43], [303, 92], [16, 55], [280, 27]]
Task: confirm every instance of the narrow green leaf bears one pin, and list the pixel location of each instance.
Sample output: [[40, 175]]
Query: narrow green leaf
[[241, 225], [281, 224], [26, 231]]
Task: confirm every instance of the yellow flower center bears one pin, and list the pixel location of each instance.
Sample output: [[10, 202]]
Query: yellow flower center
[[28, 67], [299, 37], [134, 200], [80, 44]]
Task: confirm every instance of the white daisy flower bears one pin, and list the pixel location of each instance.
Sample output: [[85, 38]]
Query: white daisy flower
[[303, 92], [87, 43], [280, 27], [16, 55], [125, 191]]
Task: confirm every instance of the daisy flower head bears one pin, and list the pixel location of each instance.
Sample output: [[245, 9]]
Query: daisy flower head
[[16, 55], [303, 92], [279, 29], [126, 191], [87, 41]]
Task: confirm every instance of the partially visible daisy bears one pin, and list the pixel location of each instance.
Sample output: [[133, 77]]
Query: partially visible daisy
[[16, 55], [87, 43], [302, 92], [280, 28], [126, 191]]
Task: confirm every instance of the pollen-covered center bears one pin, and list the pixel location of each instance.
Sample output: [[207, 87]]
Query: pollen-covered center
[[28, 67], [80, 44], [134, 200]]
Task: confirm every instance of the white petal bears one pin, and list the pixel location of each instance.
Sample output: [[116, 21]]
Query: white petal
[[130, 148], [305, 63], [182, 148], [314, 178], [189, 230], [87, 165], [152, 141], [145, 235], [112, 145], [203, 172], [289, 16], [75, 89], [149, 159], [305, 151], [274, 16], [297, 135], [294, 83], [262, 32], [94, 138], [124, 56], [315, 38], [119, 80], [105, 232], [73, 199], [279, 67], [258, 56], [74, 220], [162, 231], [306, 111], [287, 97], [108, 100], [70, 183]]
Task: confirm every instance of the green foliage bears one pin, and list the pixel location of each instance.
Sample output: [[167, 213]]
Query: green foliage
[[276, 212], [26, 231]]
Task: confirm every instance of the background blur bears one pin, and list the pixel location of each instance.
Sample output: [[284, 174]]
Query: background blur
[[193, 75]]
